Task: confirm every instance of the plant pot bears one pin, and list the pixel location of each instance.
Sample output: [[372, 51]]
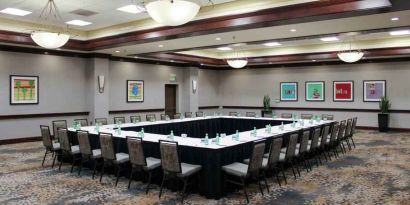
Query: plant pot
[[383, 122]]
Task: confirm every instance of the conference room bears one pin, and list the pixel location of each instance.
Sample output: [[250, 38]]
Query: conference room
[[204, 102]]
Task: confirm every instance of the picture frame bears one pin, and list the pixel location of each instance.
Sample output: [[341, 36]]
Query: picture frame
[[24, 90], [315, 91], [135, 91], [343, 91], [373, 90], [288, 91]]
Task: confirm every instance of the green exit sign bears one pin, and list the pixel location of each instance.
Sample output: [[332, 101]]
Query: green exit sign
[[172, 77]]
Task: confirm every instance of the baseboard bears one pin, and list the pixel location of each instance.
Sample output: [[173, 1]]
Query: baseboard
[[20, 140], [395, 129]]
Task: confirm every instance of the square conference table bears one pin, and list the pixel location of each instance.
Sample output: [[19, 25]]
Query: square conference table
[[192, 149]]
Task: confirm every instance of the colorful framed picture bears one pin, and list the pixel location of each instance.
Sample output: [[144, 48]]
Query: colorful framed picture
[[315, 91], [288, 91], [24, 90], [373, 90], [343, 91], [135, 91]]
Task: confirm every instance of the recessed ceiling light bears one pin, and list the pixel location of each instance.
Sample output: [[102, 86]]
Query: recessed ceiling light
[[218, 39], [160, 46], [395, 18], [202, 64], [399, 33], [327, 39], [172, 61], [135, 56], [239, 44], [271, 44], [224, 48], [117, 51], [134, 9], [17, 12], [270, 62], [78, 22], [292, 30], [313, 60]]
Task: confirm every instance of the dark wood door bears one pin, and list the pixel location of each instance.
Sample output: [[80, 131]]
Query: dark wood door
[[170, 100]]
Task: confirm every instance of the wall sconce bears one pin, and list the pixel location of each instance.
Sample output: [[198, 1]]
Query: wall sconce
[[194, 86], [101, 83]]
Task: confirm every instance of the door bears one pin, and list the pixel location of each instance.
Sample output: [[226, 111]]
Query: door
[[170, 100]]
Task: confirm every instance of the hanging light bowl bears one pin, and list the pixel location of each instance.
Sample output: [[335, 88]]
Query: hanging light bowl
[[172, 12], [350, 56]]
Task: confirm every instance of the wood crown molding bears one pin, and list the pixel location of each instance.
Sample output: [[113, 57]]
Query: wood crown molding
[[42, 115], [316, 109]]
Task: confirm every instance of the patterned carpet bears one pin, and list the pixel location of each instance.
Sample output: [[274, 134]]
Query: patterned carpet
[[376, 172]]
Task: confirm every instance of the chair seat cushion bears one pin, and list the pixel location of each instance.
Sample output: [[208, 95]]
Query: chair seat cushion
[[264, 162], [121, 158], [75, 149], [236, 169], [282, 157], [188, 169], [96, 153], [152, 163], [56, 146]]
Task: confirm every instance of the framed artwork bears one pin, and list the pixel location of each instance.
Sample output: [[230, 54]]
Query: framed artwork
[[135, 91], [343, 91], [373, 90], [24, 90], [315, 91], [288, 91]]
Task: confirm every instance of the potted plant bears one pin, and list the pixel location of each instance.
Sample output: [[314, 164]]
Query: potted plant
[[383, 116], [266, 105]]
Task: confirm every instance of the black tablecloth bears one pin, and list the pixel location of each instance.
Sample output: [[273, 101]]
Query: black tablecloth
[[211, 160]]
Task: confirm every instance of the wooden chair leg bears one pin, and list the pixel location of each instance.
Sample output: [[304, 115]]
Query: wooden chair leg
[[244, 189], [72, 165], [95, 167], [354, 145], [117, 174], [259, 183], [162, 185], [81, 165], [44, 158], [131, 172], [149, 181], [54, 160], [183, 190], [102, 171], [266, 181]]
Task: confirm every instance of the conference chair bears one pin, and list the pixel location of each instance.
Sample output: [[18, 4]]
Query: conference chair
[[188, 114], [83, 122], [244, 171], [138, 160], [48, 143], [73, 151], [135, 119], [177, 116], [164, 116], [327, 117], [199, 114], [302, 150], [57, 124], [150, 117], [172, 166], [233, 113], [250, 114], [87, 153], [346, 134], [352, 131], [340, 135], [314, 144], [101, 121], [286, 115], [306, 116], [118, 120], [288, 155], [332, 142], [110, 157]]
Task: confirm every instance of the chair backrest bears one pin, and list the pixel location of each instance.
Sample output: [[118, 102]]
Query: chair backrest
[[324, 134], [84, 142], [250, 114], [177, 116], [119, 120], [233, 113], [57, 124], [305, 141], [274, 152], [169, 157], [136, 118], [348, 128], [107, 147], [327, 117], [306, 116], [342, 129], [353, 126], [199, 114], [150, 117], [335, 131], [83, 122], [46, 136], [102, 121], [268, 114], [315, 137], [286, 115], [63, 137], [256, 159], [136, 151], [188, 114], [293, 140], [164, 116]]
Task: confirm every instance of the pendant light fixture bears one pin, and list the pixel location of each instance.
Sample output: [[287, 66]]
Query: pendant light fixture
[[237, 58], [347, 53], [49, 36], [172, 12]]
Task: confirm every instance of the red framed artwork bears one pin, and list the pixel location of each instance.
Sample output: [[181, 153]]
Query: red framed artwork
[[343, 91]]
